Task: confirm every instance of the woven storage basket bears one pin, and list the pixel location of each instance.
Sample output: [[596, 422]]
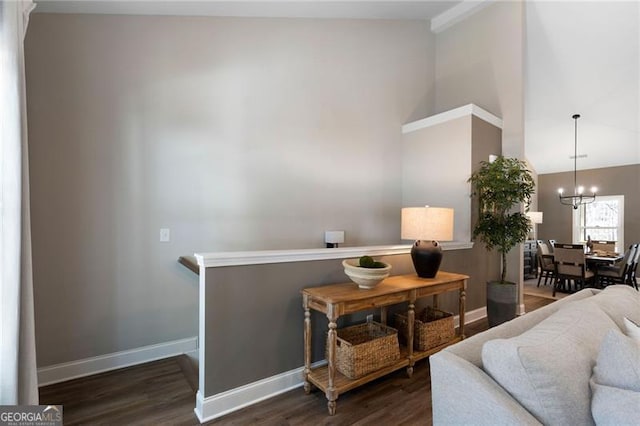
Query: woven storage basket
[[432, 327], [363, 348]]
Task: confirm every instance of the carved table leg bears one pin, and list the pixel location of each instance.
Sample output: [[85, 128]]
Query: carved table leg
[[462, 308], [410, 327], [331, 392], [307, 343]]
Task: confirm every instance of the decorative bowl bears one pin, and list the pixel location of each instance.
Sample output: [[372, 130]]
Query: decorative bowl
[[366, 278]]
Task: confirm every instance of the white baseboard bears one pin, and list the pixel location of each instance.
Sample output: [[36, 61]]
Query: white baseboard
[[232, 400], [521, 309], [99, 364], [471, 316], [235, 399]]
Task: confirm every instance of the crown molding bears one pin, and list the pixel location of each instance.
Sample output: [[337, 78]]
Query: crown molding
[[456, 14]]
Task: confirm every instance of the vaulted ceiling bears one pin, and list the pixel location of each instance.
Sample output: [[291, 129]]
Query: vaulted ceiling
[[581, 57]]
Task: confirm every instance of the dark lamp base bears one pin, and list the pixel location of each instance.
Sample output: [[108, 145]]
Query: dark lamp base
[[426, 256]]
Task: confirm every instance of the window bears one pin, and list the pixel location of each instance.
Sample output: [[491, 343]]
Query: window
[[602, 220]]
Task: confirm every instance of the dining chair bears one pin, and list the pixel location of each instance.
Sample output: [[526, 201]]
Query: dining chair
[[617, 273], [552, 244], [631, 276], [545, 263], [570, 265]]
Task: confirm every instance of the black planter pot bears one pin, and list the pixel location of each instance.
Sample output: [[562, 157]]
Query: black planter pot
[[502, 302]]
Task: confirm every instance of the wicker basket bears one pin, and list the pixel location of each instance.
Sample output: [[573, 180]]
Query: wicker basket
[[432, 328], [363, 348]]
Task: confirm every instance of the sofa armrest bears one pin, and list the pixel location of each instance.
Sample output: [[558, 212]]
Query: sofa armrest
[[464, 394]]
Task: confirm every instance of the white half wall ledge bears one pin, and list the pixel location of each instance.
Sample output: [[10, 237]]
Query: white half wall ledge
[[238, 258], [453, 114], [221, 404]]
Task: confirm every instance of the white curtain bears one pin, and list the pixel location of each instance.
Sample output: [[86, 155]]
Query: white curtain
[[18, 375]]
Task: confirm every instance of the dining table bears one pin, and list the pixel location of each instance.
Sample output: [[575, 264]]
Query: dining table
[[594, 260], [598, 259]]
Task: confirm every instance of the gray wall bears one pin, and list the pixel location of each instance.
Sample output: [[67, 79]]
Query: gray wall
[[237, 134], [486, 264], [623, 180], [435, 168], [254, 333], [480, 61], [258, 309]]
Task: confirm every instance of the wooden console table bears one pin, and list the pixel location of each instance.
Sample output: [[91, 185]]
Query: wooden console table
[[341, 299]]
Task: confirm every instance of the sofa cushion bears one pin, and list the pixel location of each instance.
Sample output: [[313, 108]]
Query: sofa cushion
[[619, 301], [616, 381], [471, 348], [547, 368], [632, 329]]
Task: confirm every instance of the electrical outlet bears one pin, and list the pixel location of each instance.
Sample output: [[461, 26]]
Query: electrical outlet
[[370, 318]]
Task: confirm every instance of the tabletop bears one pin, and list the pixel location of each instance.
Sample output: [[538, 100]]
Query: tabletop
[[336, 293]]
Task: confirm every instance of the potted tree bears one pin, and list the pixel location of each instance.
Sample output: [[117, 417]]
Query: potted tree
[[501, 186]]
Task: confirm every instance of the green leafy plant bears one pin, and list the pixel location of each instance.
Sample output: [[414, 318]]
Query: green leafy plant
[[368, 262], [501, 186]]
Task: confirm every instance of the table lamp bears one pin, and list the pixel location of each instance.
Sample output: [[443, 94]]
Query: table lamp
[[427, 225], [535, 218]]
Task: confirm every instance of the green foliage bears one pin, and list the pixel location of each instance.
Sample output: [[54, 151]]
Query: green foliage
[[368, 262], [501, 186]]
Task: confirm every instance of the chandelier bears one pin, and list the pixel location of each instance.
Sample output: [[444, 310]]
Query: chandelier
[[579, 197]]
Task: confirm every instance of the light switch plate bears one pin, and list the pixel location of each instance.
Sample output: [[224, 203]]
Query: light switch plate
[[165, 235]]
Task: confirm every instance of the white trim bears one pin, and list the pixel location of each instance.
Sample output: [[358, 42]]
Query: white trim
[[232, 400], [471, 316], [236, 258], [235, 399], [453, 114], [99, 364], [486, 116], [456, 14]]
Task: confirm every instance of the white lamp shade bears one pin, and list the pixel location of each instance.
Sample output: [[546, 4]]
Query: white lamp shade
[[535, 217], [427, 223]]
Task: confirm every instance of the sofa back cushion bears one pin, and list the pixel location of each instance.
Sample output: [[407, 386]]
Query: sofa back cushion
[[471, 348], [619, 301], [616, 381], [547, 368]]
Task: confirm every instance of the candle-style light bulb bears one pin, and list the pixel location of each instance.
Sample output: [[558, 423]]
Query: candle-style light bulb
[[594, 189], [580, 190], [560, 191]]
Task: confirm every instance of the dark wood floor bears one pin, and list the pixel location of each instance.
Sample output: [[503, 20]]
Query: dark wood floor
[[163, 392]]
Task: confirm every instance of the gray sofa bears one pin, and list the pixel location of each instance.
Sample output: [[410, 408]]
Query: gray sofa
[[537, 368]]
